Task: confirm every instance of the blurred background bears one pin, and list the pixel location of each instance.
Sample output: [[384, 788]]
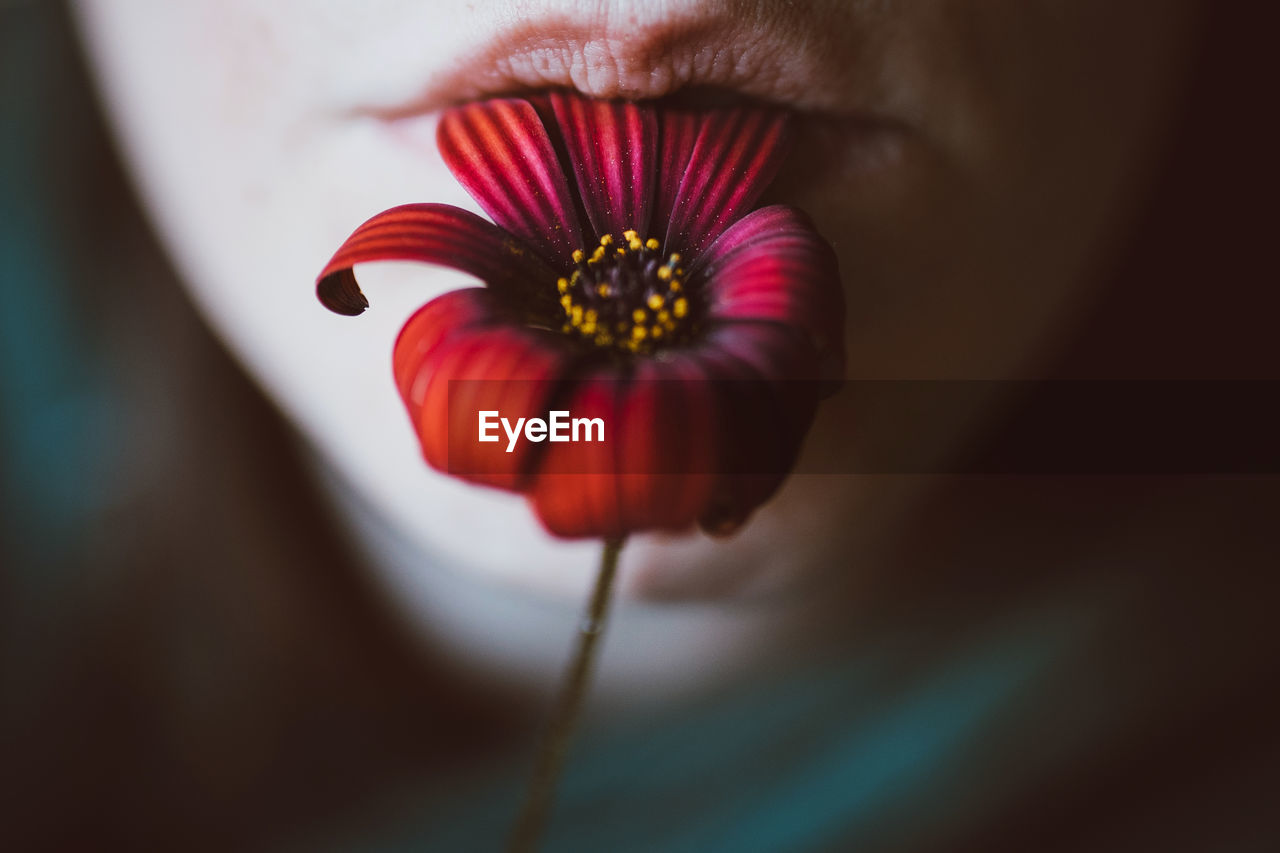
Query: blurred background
[[190, 659]]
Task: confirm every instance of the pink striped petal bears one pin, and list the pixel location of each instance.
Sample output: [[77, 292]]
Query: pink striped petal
[[436, 234], [500, 152], [774, 221], [678, 132], [613, 146], [772, 266], [737, 154]]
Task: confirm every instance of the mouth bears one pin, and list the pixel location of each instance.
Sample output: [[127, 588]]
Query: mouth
[[697, 55], [826, 73]]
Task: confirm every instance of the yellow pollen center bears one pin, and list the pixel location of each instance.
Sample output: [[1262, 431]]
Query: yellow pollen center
[[629, 299]]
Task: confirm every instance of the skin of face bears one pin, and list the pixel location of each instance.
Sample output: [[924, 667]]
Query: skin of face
[[970, 162]]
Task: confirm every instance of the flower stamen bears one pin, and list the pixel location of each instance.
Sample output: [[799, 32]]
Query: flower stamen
[[630, 300]]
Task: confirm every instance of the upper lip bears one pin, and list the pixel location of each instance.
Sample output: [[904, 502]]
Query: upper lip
[[639, 56]]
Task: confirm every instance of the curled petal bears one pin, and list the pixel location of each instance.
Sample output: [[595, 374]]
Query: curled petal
[[736, 155], [612, 146], [500, 151], [436, 234], [772, 266]]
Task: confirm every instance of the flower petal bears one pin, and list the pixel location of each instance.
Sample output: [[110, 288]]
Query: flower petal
[[762, 383], [773, 266], [736, 155], [678, 132], [500, 151], [432, 233], [775, 221], [461, 355], [442, 317], [667, 436], [613, 146], [655, 468], [575, 491], [705, 434]]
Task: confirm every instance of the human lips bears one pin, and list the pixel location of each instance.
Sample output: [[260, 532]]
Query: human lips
[[701, 50], [848, 116]]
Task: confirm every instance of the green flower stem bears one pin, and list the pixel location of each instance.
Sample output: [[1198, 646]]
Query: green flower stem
[[555, 741]]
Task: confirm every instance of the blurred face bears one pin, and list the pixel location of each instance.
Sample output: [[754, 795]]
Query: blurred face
[[967, 159]]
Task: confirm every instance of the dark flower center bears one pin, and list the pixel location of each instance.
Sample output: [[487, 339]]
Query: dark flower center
[[625, 296]]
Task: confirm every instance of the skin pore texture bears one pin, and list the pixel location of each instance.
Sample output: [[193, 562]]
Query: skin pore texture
[[970, 162]]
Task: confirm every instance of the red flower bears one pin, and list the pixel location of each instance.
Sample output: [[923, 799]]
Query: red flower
[[628, 280]]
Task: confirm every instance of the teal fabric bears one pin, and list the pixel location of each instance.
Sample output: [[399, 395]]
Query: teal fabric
[[54, 403], [855, 753], [1092, 713]]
